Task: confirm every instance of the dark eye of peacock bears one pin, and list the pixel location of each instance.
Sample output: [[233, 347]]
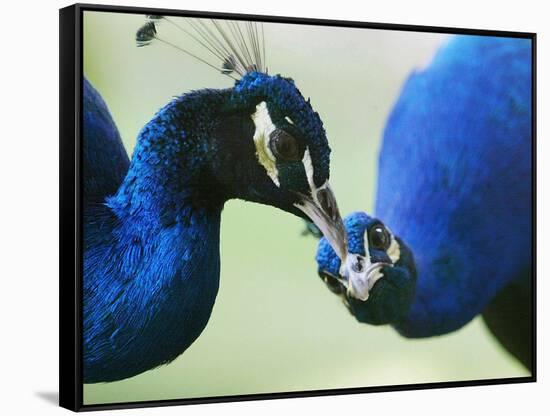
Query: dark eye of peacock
[[379, 237], [284, 146]]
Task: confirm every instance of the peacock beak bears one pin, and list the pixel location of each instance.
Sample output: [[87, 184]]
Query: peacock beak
[[322, 209], [359, 275]]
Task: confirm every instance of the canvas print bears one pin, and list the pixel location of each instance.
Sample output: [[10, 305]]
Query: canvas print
[[285, 207]]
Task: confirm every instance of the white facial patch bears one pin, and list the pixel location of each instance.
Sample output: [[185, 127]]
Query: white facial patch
[[308, 166], [357, 270], [394, 250], [264, 127], [361, 280]]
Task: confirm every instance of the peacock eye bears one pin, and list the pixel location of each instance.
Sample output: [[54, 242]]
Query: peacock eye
[[379, 237], [284, 146]]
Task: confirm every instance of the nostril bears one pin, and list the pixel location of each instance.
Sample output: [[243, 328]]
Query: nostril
[[358, 266], [325, 200]]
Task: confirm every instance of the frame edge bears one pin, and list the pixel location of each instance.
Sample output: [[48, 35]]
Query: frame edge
[[69, 326], [70, 55]]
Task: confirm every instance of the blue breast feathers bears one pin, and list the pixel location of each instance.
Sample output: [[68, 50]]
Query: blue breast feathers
[[455, 177]]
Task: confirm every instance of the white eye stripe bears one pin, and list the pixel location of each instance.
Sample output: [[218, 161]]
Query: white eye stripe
[[289, 120], [264, 127], [394, 250], [366, 243], [308, 166]]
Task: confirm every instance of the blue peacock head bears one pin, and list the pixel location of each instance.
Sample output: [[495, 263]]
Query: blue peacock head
[[291, 156], [379, 290], [265, 142]]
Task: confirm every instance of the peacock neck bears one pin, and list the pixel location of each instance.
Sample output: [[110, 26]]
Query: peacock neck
[[169, 179], [159, 264]]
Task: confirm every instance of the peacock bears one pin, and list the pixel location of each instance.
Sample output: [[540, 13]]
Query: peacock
[[452, 235], [152, 223]]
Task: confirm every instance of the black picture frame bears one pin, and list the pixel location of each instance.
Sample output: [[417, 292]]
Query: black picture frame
[[70, 179]]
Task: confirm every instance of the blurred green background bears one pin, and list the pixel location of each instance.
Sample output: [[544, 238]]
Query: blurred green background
[[275, 327]]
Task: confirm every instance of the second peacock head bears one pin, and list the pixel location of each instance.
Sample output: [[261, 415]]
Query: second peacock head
[[380, 289]]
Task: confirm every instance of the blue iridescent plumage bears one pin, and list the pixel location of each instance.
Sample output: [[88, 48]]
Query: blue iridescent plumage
[[151, 227], [455, 185]]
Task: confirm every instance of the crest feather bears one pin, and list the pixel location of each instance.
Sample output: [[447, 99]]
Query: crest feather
[[237, 46]]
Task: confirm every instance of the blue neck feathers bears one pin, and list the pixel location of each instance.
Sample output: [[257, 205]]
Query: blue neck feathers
[[151, 261], [168, 172]]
